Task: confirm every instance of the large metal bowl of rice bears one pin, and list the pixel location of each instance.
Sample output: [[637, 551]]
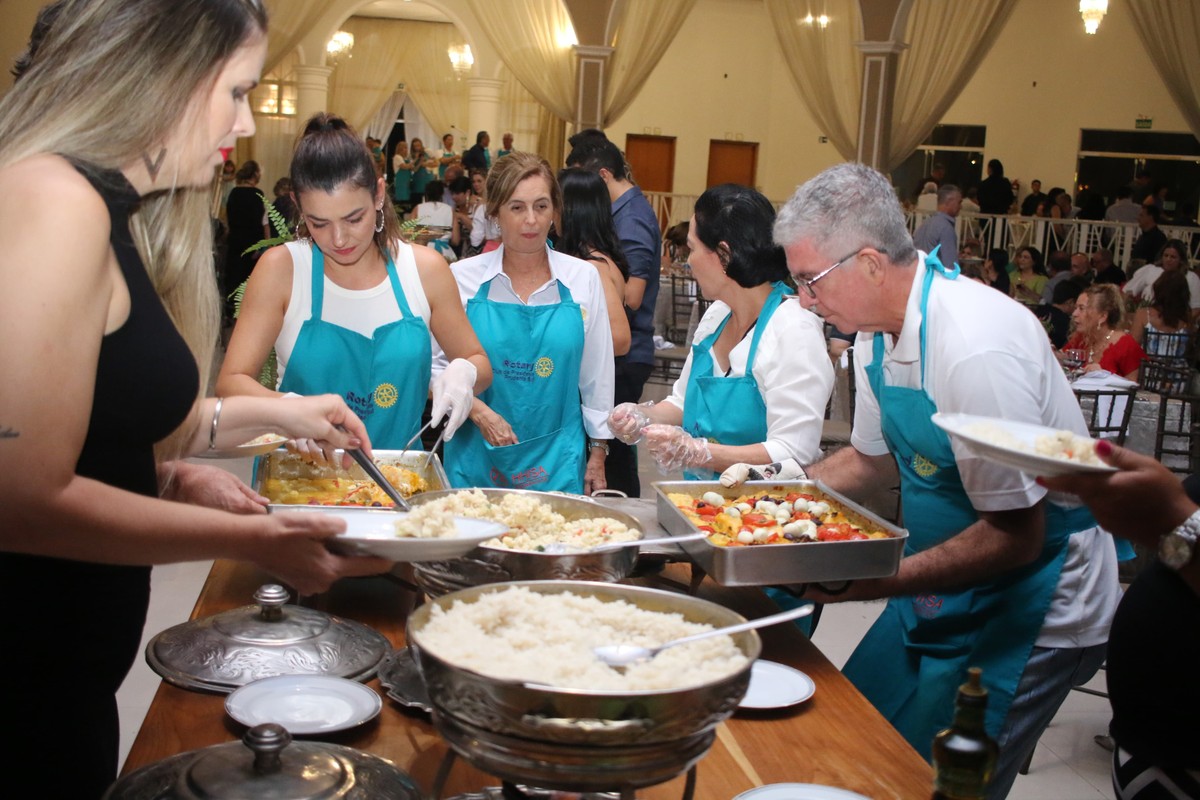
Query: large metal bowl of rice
[[690, 694], [486, 565]]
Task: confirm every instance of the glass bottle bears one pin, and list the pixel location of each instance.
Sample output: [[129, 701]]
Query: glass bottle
[[964, 756]]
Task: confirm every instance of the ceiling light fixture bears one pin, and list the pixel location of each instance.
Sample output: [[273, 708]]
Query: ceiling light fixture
[[1092, 12], [339, 45]]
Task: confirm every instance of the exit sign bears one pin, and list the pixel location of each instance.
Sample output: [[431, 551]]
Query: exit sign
[[1143, 123]]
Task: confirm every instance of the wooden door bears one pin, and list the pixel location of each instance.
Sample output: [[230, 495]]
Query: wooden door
[[652, 159], [732, 162]]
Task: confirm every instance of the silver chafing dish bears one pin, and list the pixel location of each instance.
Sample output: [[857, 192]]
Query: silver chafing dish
[[774, 564], [270, 766], [285, 465], [233, 648], [485, 565], [572, 739]]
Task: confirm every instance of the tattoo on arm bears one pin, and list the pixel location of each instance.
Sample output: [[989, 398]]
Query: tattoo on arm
[[8, 433]]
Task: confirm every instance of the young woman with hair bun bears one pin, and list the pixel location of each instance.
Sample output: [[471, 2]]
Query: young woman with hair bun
[[351, 307]]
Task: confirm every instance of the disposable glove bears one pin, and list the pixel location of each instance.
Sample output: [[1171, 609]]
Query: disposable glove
[[628, 420], [674, 448], [453, 393]]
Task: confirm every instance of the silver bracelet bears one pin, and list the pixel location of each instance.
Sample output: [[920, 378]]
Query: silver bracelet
[[600, 443], [212, 432]]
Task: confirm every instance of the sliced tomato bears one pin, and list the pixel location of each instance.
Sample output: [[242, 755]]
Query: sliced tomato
[[835, 532], [705, 510], [757, 520], [801, 515], [794, 496]]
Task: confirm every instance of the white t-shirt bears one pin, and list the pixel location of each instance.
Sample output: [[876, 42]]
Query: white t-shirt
[[435, 214], [1142, 284], [986, 354], [483, 227], [596, 368], [359, 310], [793, 372]]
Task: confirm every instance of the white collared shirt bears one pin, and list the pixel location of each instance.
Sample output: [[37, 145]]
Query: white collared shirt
[[987, 354], [596, 369]]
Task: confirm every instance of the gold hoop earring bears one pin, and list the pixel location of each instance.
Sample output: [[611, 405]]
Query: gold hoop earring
[[379, 224]]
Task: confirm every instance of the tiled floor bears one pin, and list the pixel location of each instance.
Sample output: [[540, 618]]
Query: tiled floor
[[1068, 765]]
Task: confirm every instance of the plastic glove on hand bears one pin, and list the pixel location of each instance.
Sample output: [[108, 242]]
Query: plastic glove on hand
[[628, 420], [674, 448], [453, 392], [786, 470]]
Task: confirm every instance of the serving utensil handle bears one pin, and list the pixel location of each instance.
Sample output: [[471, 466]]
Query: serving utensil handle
[[761, 622], [374, 473]]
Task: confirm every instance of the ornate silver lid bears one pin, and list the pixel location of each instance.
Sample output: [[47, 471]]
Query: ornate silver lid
[[269, 767], [230, 649]]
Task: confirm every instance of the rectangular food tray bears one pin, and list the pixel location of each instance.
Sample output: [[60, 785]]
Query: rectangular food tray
[[774, 564], [282, 464]]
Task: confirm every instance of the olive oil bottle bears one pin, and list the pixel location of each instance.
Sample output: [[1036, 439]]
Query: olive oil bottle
[[964, 756]]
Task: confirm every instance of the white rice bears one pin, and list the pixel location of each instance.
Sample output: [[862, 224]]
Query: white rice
[[1062, 445], [513, 633], [424, 522], [532, 524]]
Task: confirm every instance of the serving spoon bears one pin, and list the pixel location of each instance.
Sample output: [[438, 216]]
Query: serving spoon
[[564, 548], [622, 655]]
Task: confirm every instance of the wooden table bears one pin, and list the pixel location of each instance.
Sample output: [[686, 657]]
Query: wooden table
[[836, 738]]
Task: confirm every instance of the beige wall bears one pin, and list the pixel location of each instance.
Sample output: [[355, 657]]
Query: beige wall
[[1101, 81], [16, 20], [724, 74]]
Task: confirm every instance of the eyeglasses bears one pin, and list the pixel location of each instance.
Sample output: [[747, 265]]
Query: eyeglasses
[[807, 283]]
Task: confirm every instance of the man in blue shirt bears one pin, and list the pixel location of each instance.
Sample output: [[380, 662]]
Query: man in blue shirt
[[641, 241], [938, 229]]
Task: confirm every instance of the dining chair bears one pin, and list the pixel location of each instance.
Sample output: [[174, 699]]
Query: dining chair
[[1107, 411], [1177, 428]]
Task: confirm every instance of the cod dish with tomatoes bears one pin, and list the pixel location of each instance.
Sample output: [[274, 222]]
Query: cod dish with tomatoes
[[771, 518]]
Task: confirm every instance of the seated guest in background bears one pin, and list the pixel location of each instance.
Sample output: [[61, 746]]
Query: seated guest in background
[[285, 206], [1105, 270], [506, 145], [1057, 314], [936, 176], [755, 385], [453, 173], [1156, 630], [439, 215], [350, 308], [485, 233], [937, 232], [970, 202], [1029, 278], [1124, 209], [1171, 257], [460, 194], [1099, 330], [585, 230], [997, 573], [1152, 239], [1169, 312], [996, 270], [1081, 269], [1058, 267]]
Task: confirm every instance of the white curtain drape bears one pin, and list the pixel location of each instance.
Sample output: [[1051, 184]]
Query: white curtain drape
[[825, 64], [947, 42], [1169, 30], [533, 43], [644, 31], [384, 120], [290, 21]]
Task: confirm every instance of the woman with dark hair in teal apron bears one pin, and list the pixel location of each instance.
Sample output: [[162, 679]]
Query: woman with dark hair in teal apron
[[542, 318], [755, 384], [349, 310], [422, 172]]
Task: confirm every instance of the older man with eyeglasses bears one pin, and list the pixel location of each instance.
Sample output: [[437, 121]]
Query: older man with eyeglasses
[[998, 573]]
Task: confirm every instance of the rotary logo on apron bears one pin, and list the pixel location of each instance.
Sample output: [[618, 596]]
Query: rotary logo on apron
[[923, 466], [385, 395], [544, 367]]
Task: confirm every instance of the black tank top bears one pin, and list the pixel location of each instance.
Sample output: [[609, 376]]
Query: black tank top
[[76, 625]]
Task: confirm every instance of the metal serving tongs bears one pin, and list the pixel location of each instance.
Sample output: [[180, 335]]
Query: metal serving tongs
[[374, 473], [432, 450]]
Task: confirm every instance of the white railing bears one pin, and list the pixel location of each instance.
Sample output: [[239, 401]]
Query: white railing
[[1007, 232]]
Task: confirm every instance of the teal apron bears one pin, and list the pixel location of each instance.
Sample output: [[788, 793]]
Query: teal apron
[[402, 187], [536, 353], [384, 378], [910, 663], [728, 411], [442, 167], [421, 176]]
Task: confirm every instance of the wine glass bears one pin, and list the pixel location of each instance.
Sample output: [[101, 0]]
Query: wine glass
[[1073, 359]]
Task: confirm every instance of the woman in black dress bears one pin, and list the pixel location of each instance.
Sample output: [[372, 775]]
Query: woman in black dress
[[244, 212], [106, 333]]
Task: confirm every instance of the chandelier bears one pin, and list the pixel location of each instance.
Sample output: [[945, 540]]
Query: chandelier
[[1092, 12], [820, 21], [461, 58], [339, 45]]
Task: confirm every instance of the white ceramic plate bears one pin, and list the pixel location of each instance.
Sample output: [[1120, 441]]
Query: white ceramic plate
[[799, 791], [371, 531], [304, 704], [776, 686], [962, 427], [249, 449]]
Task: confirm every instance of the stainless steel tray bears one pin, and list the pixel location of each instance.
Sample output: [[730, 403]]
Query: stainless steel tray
[[802, 562], [282, 464]]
